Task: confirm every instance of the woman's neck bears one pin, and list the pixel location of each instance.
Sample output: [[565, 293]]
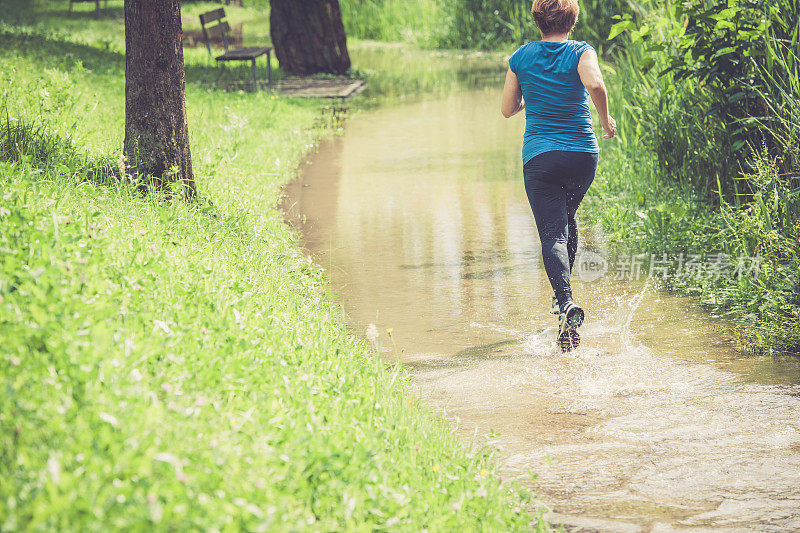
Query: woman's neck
[[555, 37]]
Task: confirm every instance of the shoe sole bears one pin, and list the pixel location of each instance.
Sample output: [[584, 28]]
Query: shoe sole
[[569, 340], [575, 317]]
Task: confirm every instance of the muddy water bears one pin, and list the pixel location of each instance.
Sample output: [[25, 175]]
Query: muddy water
[[419, 216]]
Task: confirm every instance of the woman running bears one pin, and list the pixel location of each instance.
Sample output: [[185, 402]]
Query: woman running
[[550, 79]]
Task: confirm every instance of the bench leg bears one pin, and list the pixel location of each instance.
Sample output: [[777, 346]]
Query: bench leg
[[255, 74], [97, 8], [221, 70], [269, 68]]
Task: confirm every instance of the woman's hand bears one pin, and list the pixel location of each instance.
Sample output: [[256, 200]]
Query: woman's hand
[[610, 125]]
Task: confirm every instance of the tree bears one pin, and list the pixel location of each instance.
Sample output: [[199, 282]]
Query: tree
[[308, 36], [156, 132]]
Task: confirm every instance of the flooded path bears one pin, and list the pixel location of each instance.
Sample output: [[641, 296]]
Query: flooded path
[[419, 216]]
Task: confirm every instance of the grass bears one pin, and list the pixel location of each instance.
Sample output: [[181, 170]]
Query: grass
[[177, 366]]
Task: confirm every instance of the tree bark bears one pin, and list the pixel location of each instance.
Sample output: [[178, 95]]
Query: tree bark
[[156, 132], [308, 36]]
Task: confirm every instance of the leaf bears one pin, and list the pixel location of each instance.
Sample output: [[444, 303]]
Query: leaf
[[619, 27], [726, 13], [723, 51], [725, 25], [641, 33]]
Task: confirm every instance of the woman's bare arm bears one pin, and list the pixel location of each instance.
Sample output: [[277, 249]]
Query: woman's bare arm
[[512, 96], [592, 79]]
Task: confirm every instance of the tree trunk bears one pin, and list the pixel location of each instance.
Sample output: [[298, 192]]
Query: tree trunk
[[308, 36], [156, 133]]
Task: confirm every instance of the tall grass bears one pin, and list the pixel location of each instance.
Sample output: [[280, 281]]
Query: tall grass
[[698, 173], [468, 24], [421, 22], [506, 23]]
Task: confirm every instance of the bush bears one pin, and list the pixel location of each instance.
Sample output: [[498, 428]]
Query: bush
[[717, 99]]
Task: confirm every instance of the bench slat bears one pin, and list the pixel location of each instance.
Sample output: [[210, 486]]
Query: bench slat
[[211, 16], [251, 52], [216, 31]]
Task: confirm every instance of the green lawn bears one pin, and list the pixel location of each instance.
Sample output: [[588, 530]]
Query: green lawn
[[174, 366]]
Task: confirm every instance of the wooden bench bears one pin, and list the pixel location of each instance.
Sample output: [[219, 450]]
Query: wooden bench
[[96, 5], [214, 26]]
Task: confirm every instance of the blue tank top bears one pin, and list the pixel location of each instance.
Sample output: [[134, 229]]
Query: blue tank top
[[557, 113]]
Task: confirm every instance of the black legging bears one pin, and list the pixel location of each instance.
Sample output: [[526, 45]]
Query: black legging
[[556, 182]]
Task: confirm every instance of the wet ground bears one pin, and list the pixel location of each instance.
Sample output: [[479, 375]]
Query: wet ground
[[419, 216]]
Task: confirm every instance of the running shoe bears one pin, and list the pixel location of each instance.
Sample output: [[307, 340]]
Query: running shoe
[[570, 318], [555, 309]]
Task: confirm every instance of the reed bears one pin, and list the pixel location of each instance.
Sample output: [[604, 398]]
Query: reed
[[420, 22]]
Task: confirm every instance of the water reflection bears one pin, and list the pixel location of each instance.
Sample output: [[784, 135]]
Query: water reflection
[[398, 72], [419, 215]]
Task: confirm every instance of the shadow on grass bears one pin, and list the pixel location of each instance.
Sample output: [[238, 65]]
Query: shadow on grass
[[54, 51], [80, 12], [30, 143], [233, 78]]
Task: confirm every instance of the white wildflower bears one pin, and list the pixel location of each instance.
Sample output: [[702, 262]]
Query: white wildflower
[[166, 457], [54, 469], [111, 419]]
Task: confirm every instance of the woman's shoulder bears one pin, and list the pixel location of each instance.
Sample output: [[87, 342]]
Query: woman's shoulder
[[520, 56], [579, 47], [524, 48]]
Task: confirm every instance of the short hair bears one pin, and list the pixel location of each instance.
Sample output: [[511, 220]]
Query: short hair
[[555, 16]]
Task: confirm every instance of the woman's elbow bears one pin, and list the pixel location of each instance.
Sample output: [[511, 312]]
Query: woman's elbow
[[596, 86], [509, 109]]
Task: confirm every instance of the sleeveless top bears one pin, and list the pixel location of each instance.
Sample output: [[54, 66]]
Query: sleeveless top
[[557, 113]]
